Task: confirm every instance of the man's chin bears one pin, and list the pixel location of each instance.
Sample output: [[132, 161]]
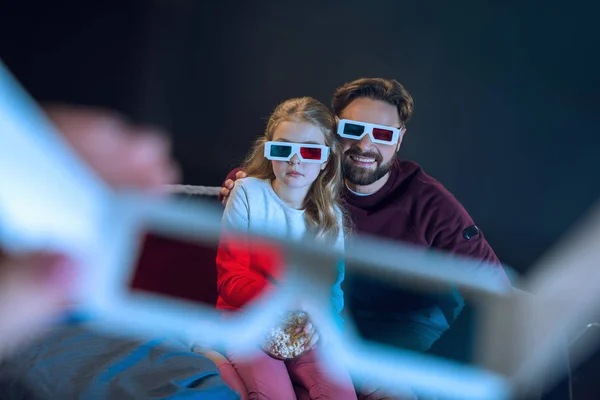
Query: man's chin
[[362, 178]]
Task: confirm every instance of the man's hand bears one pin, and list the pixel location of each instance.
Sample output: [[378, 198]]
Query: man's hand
[[228, 185]]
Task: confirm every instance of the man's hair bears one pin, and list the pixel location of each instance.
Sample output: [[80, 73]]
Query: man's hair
[[388, 90]]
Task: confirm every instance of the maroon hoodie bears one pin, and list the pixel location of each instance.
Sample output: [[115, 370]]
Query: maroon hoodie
[[412, 207], [415, 208]]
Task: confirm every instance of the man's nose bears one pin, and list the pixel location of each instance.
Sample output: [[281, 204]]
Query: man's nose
[[365, 143]]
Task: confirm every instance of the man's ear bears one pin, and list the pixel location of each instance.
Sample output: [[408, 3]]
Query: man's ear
[[402, 132]]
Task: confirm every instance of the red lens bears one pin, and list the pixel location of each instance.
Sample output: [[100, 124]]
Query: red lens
[[310, 153], [383, 134]]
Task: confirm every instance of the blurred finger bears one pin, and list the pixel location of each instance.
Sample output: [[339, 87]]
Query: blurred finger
[[122, 154], [148, 161], [308, 328], [313, 340], [33, 291], [228, 184], [240, 175], [147, 145]]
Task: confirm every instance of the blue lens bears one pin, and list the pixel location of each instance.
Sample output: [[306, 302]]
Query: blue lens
[[353, 129], [280, 150]]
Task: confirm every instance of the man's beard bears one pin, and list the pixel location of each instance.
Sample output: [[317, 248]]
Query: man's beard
[[364, 176]]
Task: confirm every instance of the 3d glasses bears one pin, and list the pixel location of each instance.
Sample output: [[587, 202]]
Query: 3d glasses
[[284, 151], [378, 133], [510, 354]]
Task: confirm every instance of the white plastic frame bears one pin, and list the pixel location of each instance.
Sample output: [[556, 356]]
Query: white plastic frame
[[122, 311], [50, 199], [368, 131], [296, 151]]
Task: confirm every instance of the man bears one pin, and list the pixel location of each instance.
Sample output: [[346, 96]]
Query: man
[[397, 200]]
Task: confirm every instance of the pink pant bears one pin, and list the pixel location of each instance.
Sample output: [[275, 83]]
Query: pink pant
[[268, 379]]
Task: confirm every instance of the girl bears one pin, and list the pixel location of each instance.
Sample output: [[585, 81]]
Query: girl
[[292, 189]]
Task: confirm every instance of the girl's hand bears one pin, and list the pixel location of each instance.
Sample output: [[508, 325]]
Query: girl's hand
[[308, 330]]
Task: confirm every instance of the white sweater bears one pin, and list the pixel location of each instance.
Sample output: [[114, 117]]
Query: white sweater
[[254, 206]]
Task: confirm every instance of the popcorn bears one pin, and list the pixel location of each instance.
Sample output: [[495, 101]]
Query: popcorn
[[282, 342]]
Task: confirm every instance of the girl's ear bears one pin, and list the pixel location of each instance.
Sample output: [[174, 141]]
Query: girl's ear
[[324, 165]]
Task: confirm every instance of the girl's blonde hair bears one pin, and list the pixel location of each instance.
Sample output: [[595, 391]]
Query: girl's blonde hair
[[322, 203]]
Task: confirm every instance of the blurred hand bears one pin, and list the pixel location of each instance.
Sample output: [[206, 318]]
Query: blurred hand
[[123, 154], [228, 185], [33, 291], [34, 287]]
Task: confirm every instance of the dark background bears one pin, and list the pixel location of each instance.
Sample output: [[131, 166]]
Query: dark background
[[506, 93]]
